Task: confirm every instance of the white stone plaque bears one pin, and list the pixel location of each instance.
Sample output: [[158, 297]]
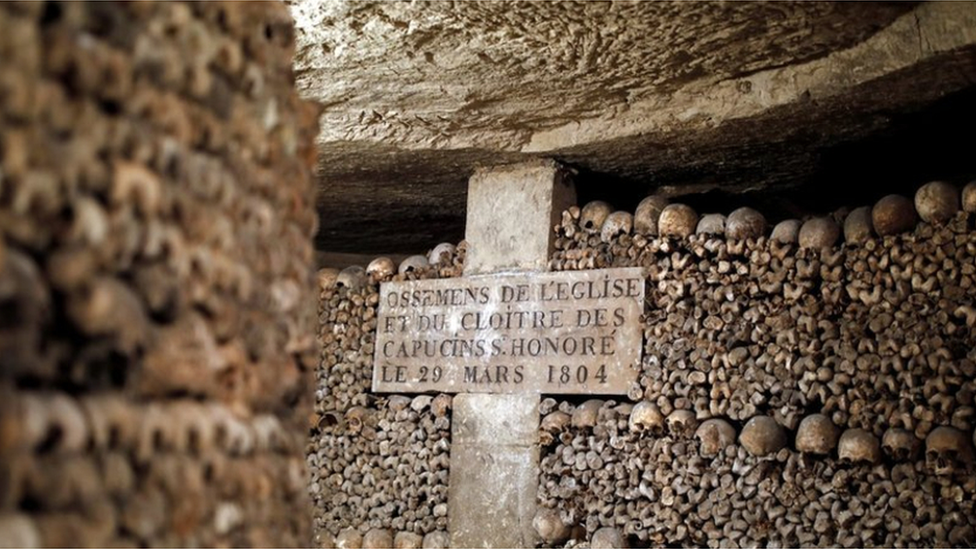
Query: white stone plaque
[[568, 332]]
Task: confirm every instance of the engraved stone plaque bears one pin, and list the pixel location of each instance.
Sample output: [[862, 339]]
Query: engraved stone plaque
[[569, 332]]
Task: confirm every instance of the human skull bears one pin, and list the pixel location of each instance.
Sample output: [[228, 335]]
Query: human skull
[[352, 278], [681, 422], [714, 435], [900, 444], [381, 268], [893, 214], [327, 278], [969, 197], [398, 402], [421, 402], [677, 220], [745, 223], [937, 202], [857, 226], [441, 252], [646, 416], [413, 263], [349, 538], [586, 414], [355, 418], [441, 404], [816, 435], [786, 232], [616, 224], [713, 224], [858, 446], [608, 538], [819, 232], [437, 540], [948, 449], [550, 527], [593, 215], [555, 421], [407, 540], [377, 538], [762, 435], [647, 214]]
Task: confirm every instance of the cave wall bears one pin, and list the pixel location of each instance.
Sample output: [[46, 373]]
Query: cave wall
[[807, 384], [156, 214]]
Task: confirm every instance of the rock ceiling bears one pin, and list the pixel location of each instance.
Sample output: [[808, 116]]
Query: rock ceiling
[[675, 96]]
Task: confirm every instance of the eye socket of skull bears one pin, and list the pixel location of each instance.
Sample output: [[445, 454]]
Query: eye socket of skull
[[327, 278], [352, 278], [946, 449], [646, 416], [594, 214], [441, 252], [354, 418], [555, 421], [413, 263], [680, 422], [714, 435], [900, 444]]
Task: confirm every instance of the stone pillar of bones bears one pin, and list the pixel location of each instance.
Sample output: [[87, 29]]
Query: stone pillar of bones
[[495, 444], [157, 209]]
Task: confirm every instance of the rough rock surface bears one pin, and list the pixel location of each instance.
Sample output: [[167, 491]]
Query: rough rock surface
[[499, 75], [682, 96]]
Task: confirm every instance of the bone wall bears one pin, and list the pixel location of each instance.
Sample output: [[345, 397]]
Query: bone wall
[[795, 390], [810, 383], [379, 463], [156, 214]]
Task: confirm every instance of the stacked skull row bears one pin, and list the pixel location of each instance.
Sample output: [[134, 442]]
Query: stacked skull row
[[444, 261], [620, 473], [379, 463], [156, 214], [935, 202]]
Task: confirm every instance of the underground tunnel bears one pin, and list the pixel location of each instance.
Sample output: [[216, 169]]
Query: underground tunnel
[[367, 274]]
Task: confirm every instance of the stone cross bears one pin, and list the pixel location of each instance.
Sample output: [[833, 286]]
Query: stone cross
[[500, 336], [495, 437]]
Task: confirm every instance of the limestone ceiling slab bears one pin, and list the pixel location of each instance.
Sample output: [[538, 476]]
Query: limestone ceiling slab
[[417, 93], [493, 74]]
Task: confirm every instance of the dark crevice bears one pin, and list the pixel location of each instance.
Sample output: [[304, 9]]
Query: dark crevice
[[914, 148], [813, 167]]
